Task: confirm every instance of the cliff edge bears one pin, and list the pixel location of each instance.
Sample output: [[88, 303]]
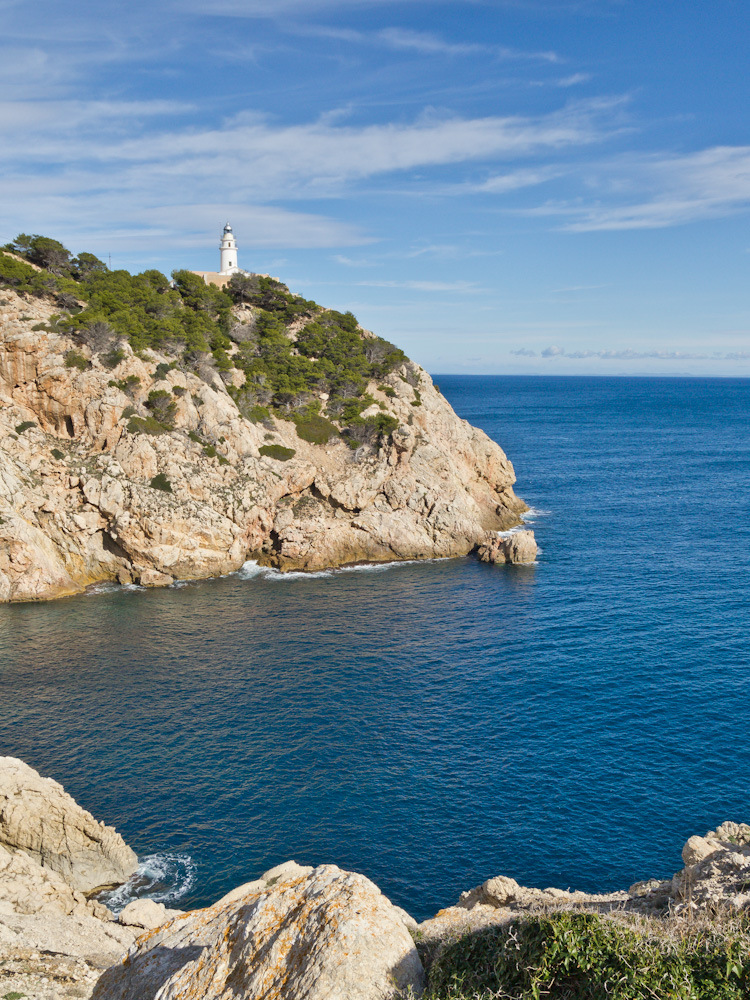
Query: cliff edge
[[154, 431]]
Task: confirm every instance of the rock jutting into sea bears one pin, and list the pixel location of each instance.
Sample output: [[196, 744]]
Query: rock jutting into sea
[[296, 931], [154, 464]]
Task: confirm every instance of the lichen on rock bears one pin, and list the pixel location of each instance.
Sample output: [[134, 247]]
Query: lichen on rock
[[322, 934]]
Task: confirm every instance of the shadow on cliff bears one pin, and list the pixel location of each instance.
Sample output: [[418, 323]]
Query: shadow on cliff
[[143, 980]]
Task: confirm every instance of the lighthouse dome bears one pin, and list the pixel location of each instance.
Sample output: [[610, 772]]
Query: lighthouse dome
[[227, 228]]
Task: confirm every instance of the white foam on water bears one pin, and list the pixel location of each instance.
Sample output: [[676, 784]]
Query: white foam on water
[[110, 587], [106, 587], [277, 576], [533, 513], [165, 878], [381, 567], [251, 570], [511, 531]]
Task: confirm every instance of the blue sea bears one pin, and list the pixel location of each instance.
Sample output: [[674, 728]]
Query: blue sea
[[432, 724]]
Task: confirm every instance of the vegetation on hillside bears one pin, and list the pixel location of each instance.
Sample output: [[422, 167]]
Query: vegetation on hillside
[[286, 356], [587, 956]]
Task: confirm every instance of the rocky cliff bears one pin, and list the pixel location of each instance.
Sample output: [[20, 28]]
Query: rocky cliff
[[126, 465]]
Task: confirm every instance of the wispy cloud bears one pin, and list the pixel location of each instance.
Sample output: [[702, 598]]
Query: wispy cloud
[[431, 44], [655, 191], [463, 287], [130, 157], [425, 42], [573, 80], [272, 11], [628, 354], [516, 179], [576, 288], [264, 157], [428, 43]]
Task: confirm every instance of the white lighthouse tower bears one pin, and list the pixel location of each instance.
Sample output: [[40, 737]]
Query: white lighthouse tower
[[228, 251]]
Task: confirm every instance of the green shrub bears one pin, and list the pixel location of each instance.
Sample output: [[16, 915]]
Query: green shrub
[[389, 391], [223, 460], [113, 357], [257, 414], [314, 428], [162, 406], [385, 423], [584, 956], [161, 371], [130, 385], [75, 360], [277, 451], [417, 401], [210, 451], [160, 482], [178, 390], [56, 453], [15, 274], [20, 428], [146, 425], [195, 437]]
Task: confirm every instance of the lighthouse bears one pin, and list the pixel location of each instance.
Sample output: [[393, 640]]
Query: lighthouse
[[228, 252]]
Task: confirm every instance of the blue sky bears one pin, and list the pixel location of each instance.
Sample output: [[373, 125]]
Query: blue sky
[[557, 186]]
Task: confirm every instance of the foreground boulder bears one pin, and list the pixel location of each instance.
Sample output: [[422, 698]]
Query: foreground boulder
[[39, 818], [321, 934]]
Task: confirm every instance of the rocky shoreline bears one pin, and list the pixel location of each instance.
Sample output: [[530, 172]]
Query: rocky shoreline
[[294, 932], [93, 488]]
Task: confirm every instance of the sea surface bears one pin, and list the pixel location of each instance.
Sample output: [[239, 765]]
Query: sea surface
[[432, 724]]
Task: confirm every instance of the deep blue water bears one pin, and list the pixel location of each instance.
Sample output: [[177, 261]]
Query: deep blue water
[[569, 723]]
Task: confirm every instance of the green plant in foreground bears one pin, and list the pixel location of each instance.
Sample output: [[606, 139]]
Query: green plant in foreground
[[24, 426], [56, 453], [160, 482], [584, 956], [277, 451]]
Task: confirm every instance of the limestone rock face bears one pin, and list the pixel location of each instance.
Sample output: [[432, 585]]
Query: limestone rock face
[[520, 547], [50, 851], [322, 935], [717, 869], [146, 914], [39, 818], [77, 504]]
